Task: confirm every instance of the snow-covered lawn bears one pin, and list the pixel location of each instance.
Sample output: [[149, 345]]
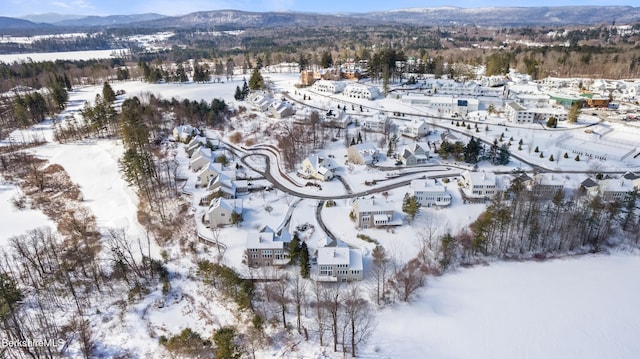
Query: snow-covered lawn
[[584, 307], [15, 222], [93, 165]]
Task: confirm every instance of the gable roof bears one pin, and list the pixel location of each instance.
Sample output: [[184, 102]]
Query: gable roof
[[229, 205]]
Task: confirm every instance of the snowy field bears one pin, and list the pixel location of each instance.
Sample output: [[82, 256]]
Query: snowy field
[[14, 222], [585, 307], [68, 55]]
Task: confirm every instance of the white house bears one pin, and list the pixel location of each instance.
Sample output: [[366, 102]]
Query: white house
[[328, 86], [336, 262], [259, 101], [182, 133], [318, 167], [370, 212], [220, 211], [268, 248], [281, 109], [338, 118], [224, 184], [416, 153], [362, 153], [208, 173], [516, 113], [415, 129], [379, 122], [430, 193], [200, 158], [478, 184], [361, 91], [195, 143], [616, 189]]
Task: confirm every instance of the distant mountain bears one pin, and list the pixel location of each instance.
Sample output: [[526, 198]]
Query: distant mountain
[[439, 16], [108, 20], [51, 17], [18, 24], [510, 16], [236, 18]]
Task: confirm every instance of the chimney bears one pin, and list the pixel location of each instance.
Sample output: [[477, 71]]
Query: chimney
[[334, 252]]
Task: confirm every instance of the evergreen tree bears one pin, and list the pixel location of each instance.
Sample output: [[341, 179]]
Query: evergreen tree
[[10, 296], [472, 151], [359, 137], [503, 155], [305, 265], [256, 82], [238, 95], [294, 249], [225, 341], [572, 117], [107, 93], [410, 206], [492, 154]]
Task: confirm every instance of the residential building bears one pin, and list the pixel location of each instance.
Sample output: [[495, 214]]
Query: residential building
[[416, 153], [281, 109], [517, 113], [478, 185], [195, 143], [223, 184], [336, 262], [415, 129], [370, 212], [307, 77], [589, 187], [363, 153], [208, 173], [184, 132], [379, 122], [361, 91], [547, 185], [634, 178], [328, 86], [615, 189], [200, 158], [268, 248], [430, 193], [318, 167], [221, 211], [259, 101], [338, 118]]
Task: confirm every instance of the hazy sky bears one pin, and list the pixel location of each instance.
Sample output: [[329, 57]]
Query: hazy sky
[[16, 8]]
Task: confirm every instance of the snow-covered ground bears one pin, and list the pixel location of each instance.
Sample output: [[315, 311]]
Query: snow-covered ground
[[68, 55], [13, 221], [584, 307]]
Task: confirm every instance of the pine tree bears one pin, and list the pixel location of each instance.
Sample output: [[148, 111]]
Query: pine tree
[[410, 206], [294, 249], [305, 265], [238, 95], [107, 93], [225, 341], [503, 155], [256, 82]]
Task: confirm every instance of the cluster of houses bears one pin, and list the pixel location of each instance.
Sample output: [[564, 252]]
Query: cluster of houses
[[611, 189], [262, 102]]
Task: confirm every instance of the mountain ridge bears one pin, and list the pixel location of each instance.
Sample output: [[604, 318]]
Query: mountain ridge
[[415, 16]]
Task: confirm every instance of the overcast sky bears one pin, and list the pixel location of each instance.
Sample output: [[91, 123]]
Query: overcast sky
[[17, 8]]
